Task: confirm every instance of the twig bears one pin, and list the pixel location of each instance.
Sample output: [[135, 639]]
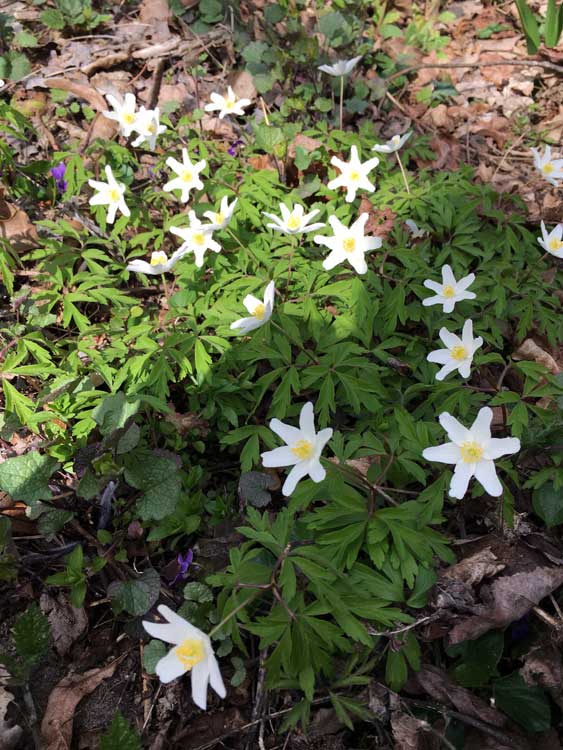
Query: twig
[[31, 716], [483, 64], [157, 82], [429, 618]]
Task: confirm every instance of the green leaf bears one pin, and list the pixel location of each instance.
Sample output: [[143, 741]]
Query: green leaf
[[197, 592], [268, 137], [240, 671], [159, 480], [53, 19], [548, 504], [530, 25], [527, 704], [552, 29], [152, 654], [479, 659], [114, 411], [120, 735], [25, 39], [25, 478], [253, 488], [136, 596], [32, 634]]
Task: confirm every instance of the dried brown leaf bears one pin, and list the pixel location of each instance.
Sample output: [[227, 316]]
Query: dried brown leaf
[[67, 623], [472, 570], [532, 352], [16, 228], [411, 733]]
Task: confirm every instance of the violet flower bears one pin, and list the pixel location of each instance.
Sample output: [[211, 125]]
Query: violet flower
[[232, 150], [58, 173], [184, 562]]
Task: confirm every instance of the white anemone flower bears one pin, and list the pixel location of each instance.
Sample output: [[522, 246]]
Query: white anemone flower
[[192, 652], [2, 83], [124, 113], [187, 175], [109, 194], [550, 169], [221, 218], [341, 67], [449, 291], [148, 127], [198, 238], [159, 263], [392, 145], [354, 174], [302, 449], [415, 231], [552, 241], [459, 352], [348, 244], [294, 221], [227, 105], [260, 311], [473, 452]]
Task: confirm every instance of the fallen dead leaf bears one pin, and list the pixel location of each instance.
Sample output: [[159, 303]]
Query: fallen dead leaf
[[542, 666], [67, 623], [16, 228], [156, 15], [304, 142], [532, 352], [472, 570], [243, 85], [56, 727], [9, 734], [411, 733], [508, 599]]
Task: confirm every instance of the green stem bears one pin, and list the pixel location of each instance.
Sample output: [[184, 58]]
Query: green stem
[[341, 118], [402, 171], [294, 246], [231, 615], [296, 343], [246, 249]]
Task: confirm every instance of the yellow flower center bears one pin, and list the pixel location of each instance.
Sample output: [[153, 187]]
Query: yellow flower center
[[349, 245], [396, 139], [354, 175], [448, 291], [114, 195], [293, 222], [458, 352], [158, 258], [259, 311], [548, 168], [471, 452], [187, 176], [190, 652], [129, 118], [219, 218], [555, 244], [229, 104], [303, 449], [199, 238]]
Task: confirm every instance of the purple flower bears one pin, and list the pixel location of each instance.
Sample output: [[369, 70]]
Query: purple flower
[[184, 562], [232, 150], [58, 173]]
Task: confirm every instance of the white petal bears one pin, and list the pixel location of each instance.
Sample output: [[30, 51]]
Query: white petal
[[498, 447], [294, 476], [448, 277], [448, 453], [485, 473], [169, 667], [449, 339], [322, 438], [307, 421], [200, 681], [456, 431], [246, 324], [439, 356], [287, 432], [481, 427], [283, 456], [215, 677], [460, 480], [317, 472]]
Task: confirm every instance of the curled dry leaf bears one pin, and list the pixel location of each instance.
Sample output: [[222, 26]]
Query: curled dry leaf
[[56, 727], [472, 570], [9, 734], [542, 666], [508, 599], [411, 733], [531, 351], [16, 228], [67, 623]]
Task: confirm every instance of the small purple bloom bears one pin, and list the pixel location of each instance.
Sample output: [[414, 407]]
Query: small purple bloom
[[232, 150], [184, 562], [58, 173]]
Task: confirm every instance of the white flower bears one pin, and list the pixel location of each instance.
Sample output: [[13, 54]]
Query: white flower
[[198, 238], [302, 450], [551, 169], [449, 291], [227, 105], [341, 67], [473, 452], [221, 218], [124, 113], [415, 231], [109, 194], [552, 241], [148, 126], [159, 263], [294, 221], [260, 312], [192, 652], [393, 145], [354, 174], [2, 83], [459, 352], [187, 175], [348, 244]]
